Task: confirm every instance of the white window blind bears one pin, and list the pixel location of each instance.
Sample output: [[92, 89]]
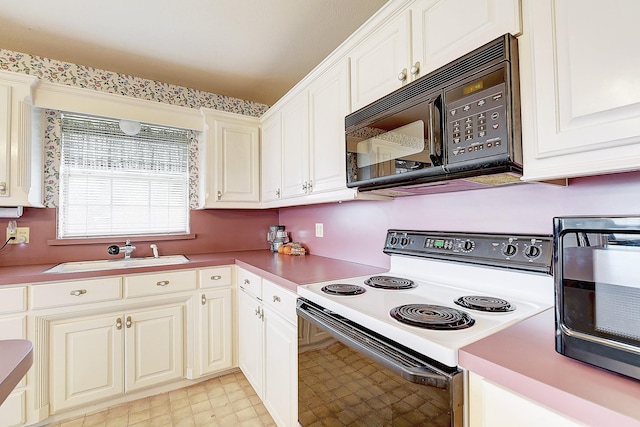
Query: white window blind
[[112, 184]]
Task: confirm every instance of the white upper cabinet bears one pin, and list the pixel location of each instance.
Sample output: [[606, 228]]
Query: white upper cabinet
[[271, 158], [580, 84], [232, 160], [21, 163], [423, 37], [380, 63], [295, 146], [328, 106], [448, 29]]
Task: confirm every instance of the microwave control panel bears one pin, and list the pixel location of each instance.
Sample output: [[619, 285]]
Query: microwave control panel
[[476, 120], [522, 252]]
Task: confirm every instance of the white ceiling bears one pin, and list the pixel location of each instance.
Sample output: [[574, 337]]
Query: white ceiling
[[250, 49]]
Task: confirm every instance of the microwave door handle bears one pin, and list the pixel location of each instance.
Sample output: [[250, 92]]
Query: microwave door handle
[[436, 159]]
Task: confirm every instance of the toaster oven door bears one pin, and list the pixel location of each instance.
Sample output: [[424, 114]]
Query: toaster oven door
[[598, 298]]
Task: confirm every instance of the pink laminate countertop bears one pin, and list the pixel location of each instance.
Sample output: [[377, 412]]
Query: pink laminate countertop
[[522, 358], [16, 357], [285, 270]]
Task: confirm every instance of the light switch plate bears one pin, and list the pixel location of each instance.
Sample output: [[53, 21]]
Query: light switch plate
[[319, 229]]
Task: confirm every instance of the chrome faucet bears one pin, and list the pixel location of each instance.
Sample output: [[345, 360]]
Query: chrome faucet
[[154, 248], [127, 249]]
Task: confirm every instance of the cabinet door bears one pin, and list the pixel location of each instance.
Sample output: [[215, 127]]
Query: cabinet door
[[281, 369], [5, 140], [86, 361], [295, 146], [447, 29], [271, 158], [378, 62], [215, 343], [493, 406], [580, 88], [250, 340], [154, 347], [238, 162], [328, 106]]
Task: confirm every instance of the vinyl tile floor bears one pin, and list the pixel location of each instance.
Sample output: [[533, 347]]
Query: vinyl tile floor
[[225, 401]]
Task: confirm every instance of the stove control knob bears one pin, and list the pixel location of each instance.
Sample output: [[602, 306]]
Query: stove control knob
[[509, 250], [532, 252], [404, 241], [468, 246]]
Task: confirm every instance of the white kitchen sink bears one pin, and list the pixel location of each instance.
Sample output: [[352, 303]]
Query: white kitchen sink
[[111, 264]]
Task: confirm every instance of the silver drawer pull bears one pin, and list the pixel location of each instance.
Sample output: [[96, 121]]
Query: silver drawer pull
[[246, 281], [216, 277], [203, 299], [118, 323], [162, 283], [78, 292], [276, 298]]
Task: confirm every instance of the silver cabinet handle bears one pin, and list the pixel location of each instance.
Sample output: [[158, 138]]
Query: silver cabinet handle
[[415, 69], [78, 292], [305, 187], [261, 313], [219, 195], [118, 323], [402, 76], [129, 322], [278, 193], [276, 298], [216, 277], [162, 283], [246, 281], [310, 187], [203, 299], [3, 188]]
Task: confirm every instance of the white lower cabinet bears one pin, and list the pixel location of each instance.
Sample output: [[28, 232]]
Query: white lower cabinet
[[280, 368], [13, 326], [268, 348], [491, 405], [214, 344], [94, 358]]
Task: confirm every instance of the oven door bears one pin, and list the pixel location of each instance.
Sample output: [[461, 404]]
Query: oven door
[[396, 144], [351, 375]]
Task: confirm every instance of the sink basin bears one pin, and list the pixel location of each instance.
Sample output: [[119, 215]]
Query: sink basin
[[111, 264]]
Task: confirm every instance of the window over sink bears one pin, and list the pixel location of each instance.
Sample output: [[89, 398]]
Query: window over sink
[[122, 178]]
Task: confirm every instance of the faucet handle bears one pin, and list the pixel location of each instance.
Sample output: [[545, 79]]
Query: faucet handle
[[128, 242], [113, 250]]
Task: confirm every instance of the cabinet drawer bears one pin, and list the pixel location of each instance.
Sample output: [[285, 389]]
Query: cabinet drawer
[[280, 299], [77, 292], [13, 300], [250, 282], [216, 277], [159, 283]]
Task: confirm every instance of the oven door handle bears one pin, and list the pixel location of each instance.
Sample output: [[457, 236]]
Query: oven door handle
[[391, 357]]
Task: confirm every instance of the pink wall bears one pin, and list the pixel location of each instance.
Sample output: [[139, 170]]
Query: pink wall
[[355, 231], [216, 231]]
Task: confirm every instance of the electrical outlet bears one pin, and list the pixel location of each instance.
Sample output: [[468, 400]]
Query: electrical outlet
[[319, 229], [21, 235]]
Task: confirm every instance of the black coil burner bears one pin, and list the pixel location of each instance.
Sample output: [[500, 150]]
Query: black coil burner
[[429, 316], [389, 282], [343, 289], [482, 303]]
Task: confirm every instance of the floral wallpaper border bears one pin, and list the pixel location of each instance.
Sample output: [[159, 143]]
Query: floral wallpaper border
[[55, 71]]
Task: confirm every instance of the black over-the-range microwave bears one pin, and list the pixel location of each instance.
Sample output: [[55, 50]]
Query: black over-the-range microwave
[[456, 128]]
